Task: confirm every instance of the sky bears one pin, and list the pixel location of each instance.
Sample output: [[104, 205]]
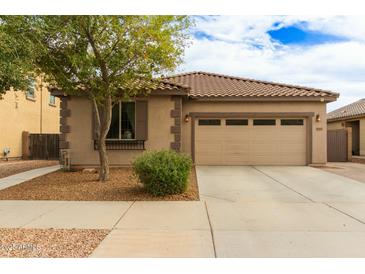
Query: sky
[[321, 52]]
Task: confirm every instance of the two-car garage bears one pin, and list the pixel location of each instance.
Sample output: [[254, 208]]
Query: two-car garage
[[229, 120], [251, 141]]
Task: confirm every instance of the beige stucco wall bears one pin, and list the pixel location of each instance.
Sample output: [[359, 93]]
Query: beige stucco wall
[[335, 125], [319, 137], [82, 151], [17, 114]]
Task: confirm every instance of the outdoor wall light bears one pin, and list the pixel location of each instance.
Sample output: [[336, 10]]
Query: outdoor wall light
[[318, 118], [186, 119]]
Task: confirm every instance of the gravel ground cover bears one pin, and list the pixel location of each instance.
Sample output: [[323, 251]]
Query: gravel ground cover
[[49, 243], [11, 167], [83, 186]]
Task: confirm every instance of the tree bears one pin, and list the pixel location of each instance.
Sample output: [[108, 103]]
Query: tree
[[106, 58], [16, 61]]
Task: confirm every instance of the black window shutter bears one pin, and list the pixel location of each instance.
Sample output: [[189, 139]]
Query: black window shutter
[[141, 119]]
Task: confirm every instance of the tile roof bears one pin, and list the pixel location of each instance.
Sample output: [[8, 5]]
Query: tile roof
[[352, 110], [204, 84]]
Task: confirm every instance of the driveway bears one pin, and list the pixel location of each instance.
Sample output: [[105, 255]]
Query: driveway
[[348, 169], [283, 212], [243, 212]]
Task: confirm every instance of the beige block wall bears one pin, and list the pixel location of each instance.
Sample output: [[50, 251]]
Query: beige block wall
[[18, 114], [82, 151], [362, 137], [319, 136]]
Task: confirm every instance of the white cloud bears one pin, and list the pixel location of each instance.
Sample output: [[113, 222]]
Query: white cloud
[[336, 66]]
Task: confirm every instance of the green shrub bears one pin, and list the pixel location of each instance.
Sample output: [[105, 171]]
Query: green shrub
[[163, 172]]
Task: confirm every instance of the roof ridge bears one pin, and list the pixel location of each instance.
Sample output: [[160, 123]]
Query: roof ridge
[[252, 80]]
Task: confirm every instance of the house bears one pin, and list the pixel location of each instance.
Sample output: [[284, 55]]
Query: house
[[34, 110], [217, 119], [352, 115]]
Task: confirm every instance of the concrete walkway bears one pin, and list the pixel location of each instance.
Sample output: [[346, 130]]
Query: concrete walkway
[[243, 212], [26, 176], [139, 229]]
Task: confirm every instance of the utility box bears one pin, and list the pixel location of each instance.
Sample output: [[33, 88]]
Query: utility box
[[65, 159]]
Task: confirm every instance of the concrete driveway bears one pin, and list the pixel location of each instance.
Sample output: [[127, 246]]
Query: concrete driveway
[[283, 212], [243, 212]]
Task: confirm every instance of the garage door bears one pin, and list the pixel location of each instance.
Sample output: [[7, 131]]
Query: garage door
[[269, 141]]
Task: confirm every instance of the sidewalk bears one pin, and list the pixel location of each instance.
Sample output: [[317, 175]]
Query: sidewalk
[[138, 229], [26, 176]]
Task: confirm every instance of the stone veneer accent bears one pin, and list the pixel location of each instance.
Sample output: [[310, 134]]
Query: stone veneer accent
[[176, 128], [64, 128]]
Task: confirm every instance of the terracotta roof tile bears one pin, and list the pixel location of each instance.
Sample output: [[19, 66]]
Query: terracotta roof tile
[[352, 110], [203, 84]]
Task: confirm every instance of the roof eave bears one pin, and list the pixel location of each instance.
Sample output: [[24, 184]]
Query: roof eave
[[326, 99], [346, 118], [56, 92]]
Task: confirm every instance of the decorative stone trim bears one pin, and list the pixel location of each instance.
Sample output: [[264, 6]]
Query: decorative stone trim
[[65, 112], [64, 127], [63, 145], [176, 128], [175, 113]]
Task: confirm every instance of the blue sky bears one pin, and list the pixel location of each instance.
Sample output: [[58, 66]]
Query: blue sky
[[296, 35], [321, 52]]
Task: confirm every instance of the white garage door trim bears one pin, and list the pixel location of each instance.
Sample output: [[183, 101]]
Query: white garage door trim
[[222, 115]]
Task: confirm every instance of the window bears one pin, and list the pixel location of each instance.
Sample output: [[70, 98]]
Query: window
[[209, 122], [292, 122], [123, 125], [52, 99], [31, 90], [264, 122], [236, 122]]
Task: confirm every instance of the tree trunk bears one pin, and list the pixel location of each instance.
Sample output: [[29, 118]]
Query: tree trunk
[[104, 161], [103, 117]]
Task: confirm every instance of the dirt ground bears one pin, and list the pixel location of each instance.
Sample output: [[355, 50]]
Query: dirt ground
[[82, 186], [11, 167], [350, 170], [49, 243]]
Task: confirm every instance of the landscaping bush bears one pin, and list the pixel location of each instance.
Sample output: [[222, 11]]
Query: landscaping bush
[[163, 172]]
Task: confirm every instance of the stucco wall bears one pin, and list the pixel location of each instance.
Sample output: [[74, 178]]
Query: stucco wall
[[335, 125], [18, 114], [159, 126], [319, 139], [82, 151]]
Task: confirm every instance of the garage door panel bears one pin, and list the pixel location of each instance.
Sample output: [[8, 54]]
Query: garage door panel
[[250, 145], [258, 146], [289, 160], [292, 148], [263, 160]]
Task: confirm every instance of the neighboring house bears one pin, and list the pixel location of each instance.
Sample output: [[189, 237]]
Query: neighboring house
[[34, 110], [352, 115], [217, 119]]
